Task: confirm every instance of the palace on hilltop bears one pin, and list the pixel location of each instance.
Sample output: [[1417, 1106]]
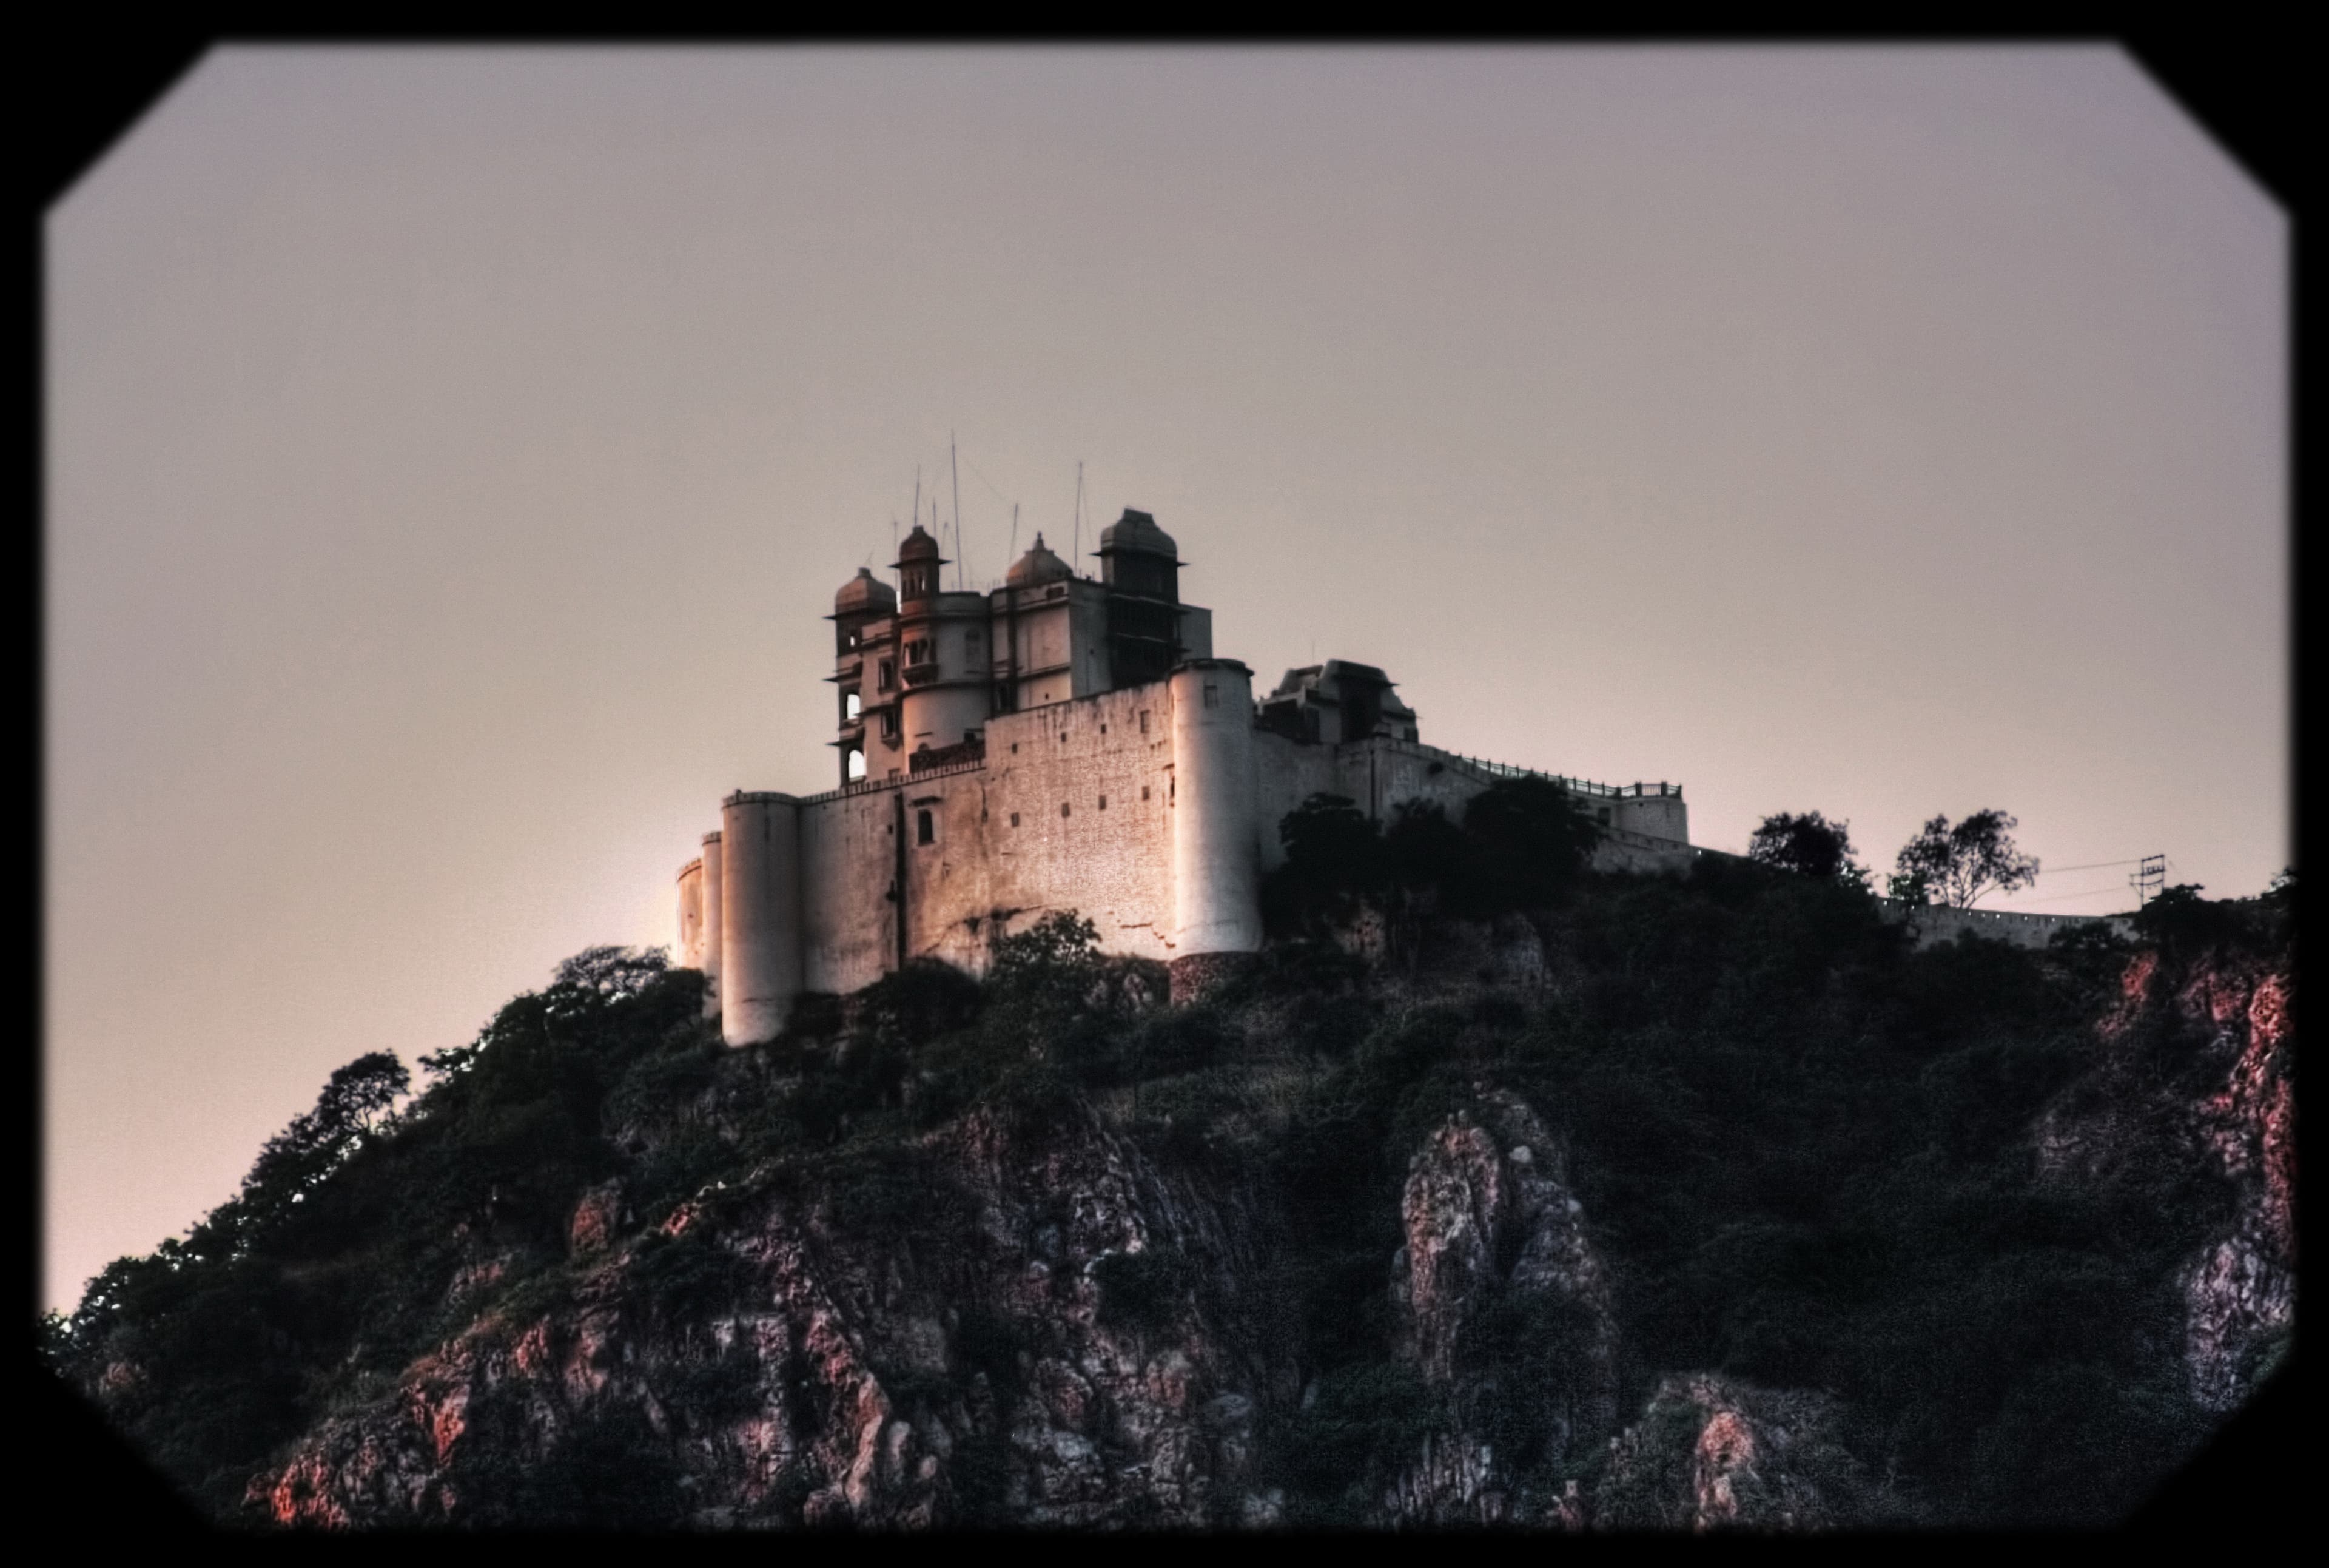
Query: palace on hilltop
[[1059, 743]]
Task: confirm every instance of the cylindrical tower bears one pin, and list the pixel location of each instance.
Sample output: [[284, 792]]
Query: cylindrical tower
[[759, 914], [687, 953], [1216, 846], [944, 662], [713, 934]]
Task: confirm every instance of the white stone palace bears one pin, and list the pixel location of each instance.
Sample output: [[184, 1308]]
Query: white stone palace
[[1059, 743]]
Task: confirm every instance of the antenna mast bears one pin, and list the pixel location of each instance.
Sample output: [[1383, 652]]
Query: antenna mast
[[953, 465], [1076, 548]]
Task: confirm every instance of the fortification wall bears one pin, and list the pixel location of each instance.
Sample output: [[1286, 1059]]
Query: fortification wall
[[760, 920], [1216, 829], [1075, 806], [714, 923], [848, 859], [689, 953], [1937, 924], [1643, 832], [1056, 819]]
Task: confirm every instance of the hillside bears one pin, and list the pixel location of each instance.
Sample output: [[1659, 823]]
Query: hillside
[[1656, 1204]]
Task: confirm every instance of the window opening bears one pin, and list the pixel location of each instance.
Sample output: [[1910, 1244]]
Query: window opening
[[1212, 695], [856, 766], [924, 833]]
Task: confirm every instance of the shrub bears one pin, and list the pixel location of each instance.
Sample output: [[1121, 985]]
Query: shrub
[[690, 1276], [1359, 1426], [1143, 1289]]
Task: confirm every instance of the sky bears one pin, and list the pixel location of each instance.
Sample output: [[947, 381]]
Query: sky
[[450, 454]]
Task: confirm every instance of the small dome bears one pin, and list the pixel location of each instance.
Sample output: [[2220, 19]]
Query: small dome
[[1037, 567], [1137, 531], [863, 592], [918, 546]]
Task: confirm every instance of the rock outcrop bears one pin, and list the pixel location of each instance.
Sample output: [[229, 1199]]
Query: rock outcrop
[[1495, 1258], [1711, 1453], [957, 1362], [2238, 1290]]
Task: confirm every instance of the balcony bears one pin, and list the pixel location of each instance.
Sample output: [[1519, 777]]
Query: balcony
[[922, 675], [931, 757]]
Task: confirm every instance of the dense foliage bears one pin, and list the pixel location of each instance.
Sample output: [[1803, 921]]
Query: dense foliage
[[1957, 865], [1804, 1148], [1808, 845], [1524, 842]]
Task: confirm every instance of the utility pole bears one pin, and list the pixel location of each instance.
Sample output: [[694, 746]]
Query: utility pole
[[2149, 880]]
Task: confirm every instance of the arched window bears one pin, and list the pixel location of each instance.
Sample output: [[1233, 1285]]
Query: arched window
[[850, 707], [856, 764], [924, 832]]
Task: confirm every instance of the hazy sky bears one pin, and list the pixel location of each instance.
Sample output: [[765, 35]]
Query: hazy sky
[[451, 454]]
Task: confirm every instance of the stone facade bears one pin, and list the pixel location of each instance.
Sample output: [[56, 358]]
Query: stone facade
[[1060, 744]]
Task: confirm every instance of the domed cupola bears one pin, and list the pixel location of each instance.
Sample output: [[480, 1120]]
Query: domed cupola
[[1037, 567], [1137, 557], [918, 565], [865, 594], [1137, 531]]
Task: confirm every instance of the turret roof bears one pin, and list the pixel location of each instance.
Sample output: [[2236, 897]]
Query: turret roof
[[865, 591], [918, 546], [1137, 531], [1038, 566]]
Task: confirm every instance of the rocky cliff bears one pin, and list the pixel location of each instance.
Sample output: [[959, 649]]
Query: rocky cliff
[[1495, 1238]]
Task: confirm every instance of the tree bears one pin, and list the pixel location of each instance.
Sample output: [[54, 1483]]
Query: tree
[[295, 1160], [1334, 856], [2180, 924], [1963, 864], [1913, 888], [1529, 843], [608, 973], [1808, 845]]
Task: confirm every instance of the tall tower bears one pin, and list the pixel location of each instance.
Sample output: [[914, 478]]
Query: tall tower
[[1141, 567], [1216, 820], [865, 677], [942, 654]]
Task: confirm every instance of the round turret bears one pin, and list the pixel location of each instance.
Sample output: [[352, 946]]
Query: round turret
[[1037, 567], [865, 594], [918, 565], [1137, 531], [1137, 557]]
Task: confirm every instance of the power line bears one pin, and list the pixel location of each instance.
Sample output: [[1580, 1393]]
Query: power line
[[2088, 892], [982, 479], [2089, 865]]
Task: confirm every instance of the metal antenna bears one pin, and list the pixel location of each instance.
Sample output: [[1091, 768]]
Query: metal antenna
[[961, 557], [1014, 530], [1076, 544]]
